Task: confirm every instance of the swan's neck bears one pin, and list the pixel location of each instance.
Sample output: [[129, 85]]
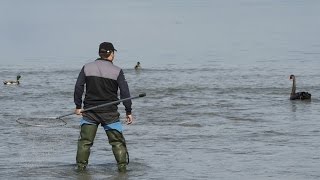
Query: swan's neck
[[293, 91]]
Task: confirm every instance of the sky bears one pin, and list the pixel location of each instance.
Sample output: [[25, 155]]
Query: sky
[[154, 31]]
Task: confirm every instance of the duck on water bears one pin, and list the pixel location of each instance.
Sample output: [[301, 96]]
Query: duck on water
[[298, 95], [12, 82], [138, 66]]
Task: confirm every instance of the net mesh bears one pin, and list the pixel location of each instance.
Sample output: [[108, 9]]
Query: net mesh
[[41, 122]]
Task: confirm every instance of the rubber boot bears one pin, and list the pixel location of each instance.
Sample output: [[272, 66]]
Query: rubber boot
[[85, 142], [119, 149]]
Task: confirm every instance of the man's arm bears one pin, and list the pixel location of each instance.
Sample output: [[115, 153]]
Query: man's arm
[[124, 92], [79, 89]]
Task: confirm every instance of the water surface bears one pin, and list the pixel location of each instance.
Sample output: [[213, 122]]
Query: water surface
[[216, 74]]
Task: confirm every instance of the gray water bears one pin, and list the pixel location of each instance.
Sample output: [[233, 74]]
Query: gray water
[[216, 75]]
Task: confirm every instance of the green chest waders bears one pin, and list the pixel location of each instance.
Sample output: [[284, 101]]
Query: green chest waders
[[118, 143], [85, 142], [87, 135]]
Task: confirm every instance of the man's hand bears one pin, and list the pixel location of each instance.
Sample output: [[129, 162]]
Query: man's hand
[[129, 119], [78, 111]]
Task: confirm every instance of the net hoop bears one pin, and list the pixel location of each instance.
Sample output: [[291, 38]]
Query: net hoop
[[41, 122]]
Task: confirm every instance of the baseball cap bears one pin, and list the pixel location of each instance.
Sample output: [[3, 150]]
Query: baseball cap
[[105, 47]]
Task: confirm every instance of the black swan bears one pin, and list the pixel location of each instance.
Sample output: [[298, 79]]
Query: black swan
[[298, 95], [12, 82]]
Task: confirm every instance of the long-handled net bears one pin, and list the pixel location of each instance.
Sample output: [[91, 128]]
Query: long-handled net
[[58, 121]]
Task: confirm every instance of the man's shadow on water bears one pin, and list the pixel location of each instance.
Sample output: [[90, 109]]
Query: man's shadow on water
[[99, 171], [110, 171], [68, 171], [105, 171]]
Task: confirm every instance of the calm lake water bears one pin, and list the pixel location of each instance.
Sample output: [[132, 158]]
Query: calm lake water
[[216, 75]]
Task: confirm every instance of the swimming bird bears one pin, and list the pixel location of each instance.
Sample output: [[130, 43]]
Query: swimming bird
[[12, 82], [298, 95], [138, 66]]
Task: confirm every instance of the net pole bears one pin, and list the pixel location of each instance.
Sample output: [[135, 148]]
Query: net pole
[[103, 105]]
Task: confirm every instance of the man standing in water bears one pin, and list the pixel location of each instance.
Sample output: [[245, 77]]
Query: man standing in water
[[102, 80]]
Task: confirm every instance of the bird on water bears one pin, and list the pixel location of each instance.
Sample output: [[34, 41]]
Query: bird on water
[[12, 82], [138, 66], [298, 95]]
